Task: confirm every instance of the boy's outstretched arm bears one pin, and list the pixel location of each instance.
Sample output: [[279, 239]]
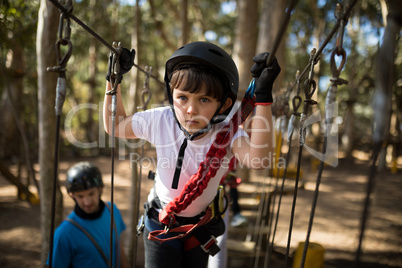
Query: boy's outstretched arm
[[123, 127], [256, 152]]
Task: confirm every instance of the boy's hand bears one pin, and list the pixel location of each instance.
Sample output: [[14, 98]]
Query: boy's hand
[[264, 77], [126, 61]]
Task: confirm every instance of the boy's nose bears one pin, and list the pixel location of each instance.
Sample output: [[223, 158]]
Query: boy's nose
[[192, 109]]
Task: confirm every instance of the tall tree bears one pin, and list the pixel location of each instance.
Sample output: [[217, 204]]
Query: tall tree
[[244, 50], [17, 32], [46, 38], [135, 176], [272, 15], [91, 128], [184, 21], [11, 105], [245, 41], [349, 133]]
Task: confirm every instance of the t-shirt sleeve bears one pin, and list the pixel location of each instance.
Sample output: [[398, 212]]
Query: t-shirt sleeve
[[145, 124], [240, 133]]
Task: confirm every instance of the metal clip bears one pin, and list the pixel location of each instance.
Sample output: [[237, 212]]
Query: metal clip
[[171, 222], [141, 225], [115, 72]]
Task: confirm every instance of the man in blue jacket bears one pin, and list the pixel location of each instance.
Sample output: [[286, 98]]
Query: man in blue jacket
[[83, 238]]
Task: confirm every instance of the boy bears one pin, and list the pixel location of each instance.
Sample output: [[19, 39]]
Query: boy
[[202, 84]]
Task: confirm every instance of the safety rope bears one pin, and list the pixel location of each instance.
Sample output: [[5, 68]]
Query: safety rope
[[94, 34], [281, 31], [282, 108], [145, 99], [277, 41], [115, 76], [293, 122], [309, 89], [329, 115], [382, 106], [279, 111], [64, 33]]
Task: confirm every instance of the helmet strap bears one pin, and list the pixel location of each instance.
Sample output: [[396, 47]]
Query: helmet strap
[[180, 157], [188, 136]]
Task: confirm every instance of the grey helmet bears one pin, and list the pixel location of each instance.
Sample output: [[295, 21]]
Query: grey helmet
[[83, 176]]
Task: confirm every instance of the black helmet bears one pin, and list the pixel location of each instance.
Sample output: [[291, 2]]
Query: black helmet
[[207, 54], [83, 176]]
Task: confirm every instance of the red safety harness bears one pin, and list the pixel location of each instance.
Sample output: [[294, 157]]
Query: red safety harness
[[198, 183]]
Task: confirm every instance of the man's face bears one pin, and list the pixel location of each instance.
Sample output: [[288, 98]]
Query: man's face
[[88, 200], [194, 110]]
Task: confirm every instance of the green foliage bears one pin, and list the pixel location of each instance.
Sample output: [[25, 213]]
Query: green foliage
[[18, 23], [114, 21]]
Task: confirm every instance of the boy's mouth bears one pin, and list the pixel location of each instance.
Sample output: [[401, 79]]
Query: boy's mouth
[[191, 122]]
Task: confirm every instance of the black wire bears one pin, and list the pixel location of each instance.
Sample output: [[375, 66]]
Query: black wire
[[281, 31], [315, 198], [111, 206], [53, 210], [112, 179], [94, 34], [268, 254], [370, 186], [294, 204]]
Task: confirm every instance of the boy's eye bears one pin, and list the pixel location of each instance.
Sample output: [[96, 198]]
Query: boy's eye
[[182, 98], [204, 99]]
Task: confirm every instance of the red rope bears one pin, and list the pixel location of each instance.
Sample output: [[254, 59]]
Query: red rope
[[198, 183]]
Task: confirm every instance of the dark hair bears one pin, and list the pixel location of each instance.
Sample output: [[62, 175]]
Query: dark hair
[[195, 78]]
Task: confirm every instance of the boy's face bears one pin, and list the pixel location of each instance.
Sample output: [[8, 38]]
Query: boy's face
[[194, 110], [88, 200]]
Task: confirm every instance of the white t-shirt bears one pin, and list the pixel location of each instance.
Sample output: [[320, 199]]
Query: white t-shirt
[[159, 127]]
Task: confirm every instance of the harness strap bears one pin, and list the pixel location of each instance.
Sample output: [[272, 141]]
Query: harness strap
[[183, 230], [90, 238], [209, 245], [93, 239]]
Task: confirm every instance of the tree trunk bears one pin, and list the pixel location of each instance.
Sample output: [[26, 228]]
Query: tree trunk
[[245, 42], [385, 80], [91, 128], [243, 53], [10, 140], [46, 38], [132, 108], [272, 15], [184, 21], [348, 136]]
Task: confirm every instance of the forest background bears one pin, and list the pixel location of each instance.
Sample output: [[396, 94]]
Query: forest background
[[155, 28]]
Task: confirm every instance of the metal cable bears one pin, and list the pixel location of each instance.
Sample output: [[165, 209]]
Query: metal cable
[[330, 100], [94, 34], [309, 89], [64, 40], [382, 106]]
